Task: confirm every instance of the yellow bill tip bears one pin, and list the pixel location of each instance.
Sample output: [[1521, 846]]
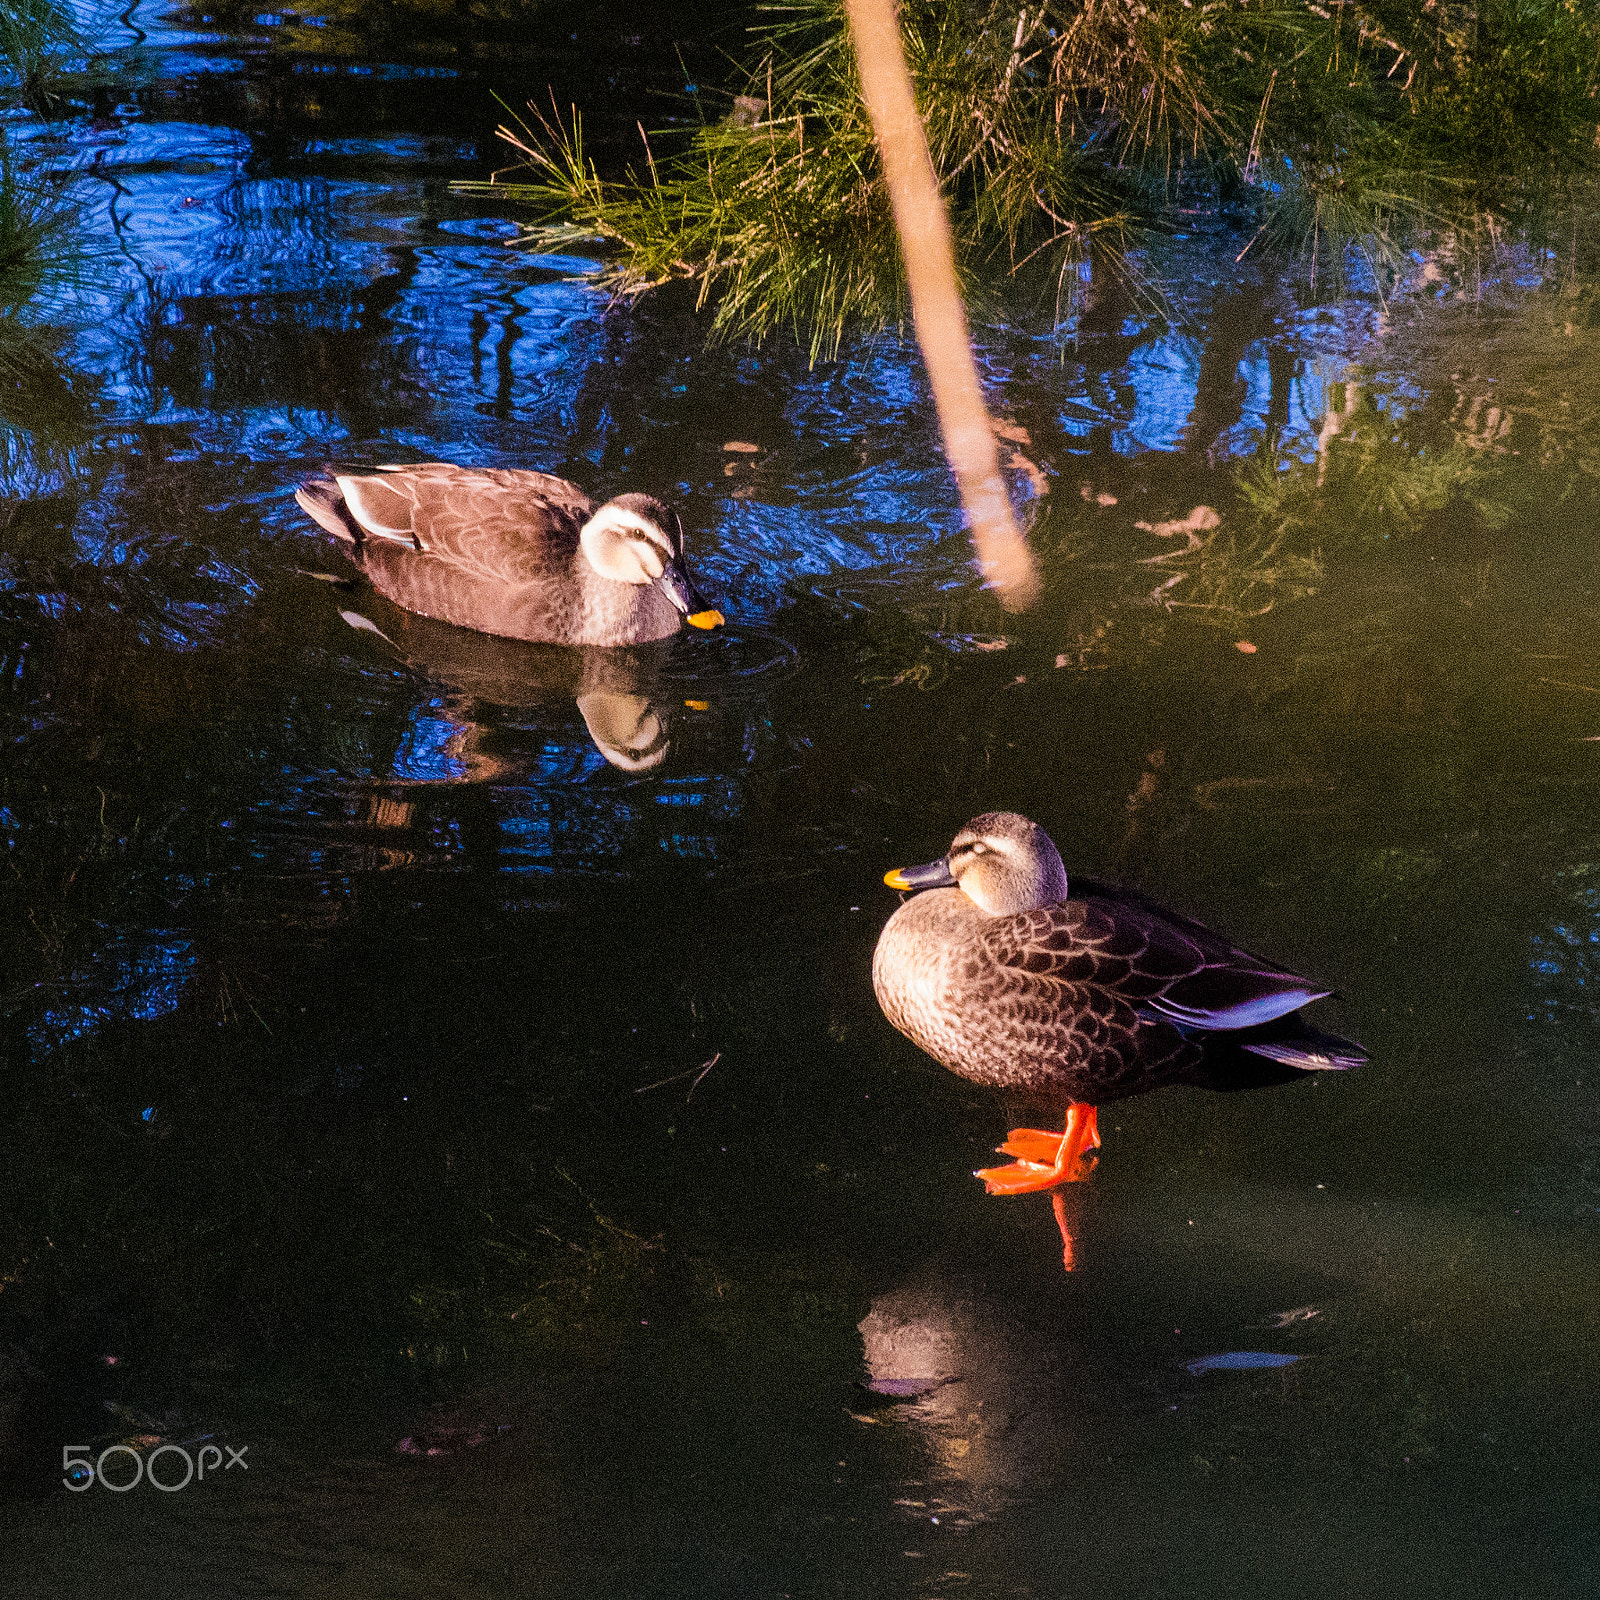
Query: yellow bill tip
[[709, 618], [896, 879]]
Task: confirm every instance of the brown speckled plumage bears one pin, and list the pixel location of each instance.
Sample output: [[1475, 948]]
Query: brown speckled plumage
[[1089, 997], [497, 551]]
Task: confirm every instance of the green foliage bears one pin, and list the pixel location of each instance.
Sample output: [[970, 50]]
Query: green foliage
[[35, 37], [1059, 128], [783, 224], [779, 207], [1243, 572], [1376, 473], [40, 243], [46, 425]]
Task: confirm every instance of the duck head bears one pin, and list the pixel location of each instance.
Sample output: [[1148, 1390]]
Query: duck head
[[627, 729], [1001, 861], [636, 539]]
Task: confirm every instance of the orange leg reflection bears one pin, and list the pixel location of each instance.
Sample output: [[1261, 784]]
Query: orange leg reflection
[[1058, 1203], [1046, 1159]]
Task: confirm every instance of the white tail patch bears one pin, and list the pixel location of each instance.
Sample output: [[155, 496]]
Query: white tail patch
[[383, 512], [1251, 1013]]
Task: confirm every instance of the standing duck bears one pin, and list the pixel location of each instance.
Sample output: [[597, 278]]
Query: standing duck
[[522, 554], [1002, 978]]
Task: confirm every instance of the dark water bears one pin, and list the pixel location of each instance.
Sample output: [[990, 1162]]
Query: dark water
[[357, 986]]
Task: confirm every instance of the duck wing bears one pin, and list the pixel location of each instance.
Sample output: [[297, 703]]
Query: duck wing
[[1226, 998], [1062, 991], [1122, 947], [503, 527], [1179, 969]]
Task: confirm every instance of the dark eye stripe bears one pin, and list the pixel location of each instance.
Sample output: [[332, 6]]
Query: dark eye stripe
[[971, 847]]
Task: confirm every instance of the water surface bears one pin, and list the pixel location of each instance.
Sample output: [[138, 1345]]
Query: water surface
[[358, 986]]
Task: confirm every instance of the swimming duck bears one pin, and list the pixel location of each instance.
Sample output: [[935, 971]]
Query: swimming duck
[[1004, 979], [522, 554]]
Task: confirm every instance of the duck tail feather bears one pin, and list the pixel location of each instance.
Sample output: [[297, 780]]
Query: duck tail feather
[[1313, 1052], [320, 499], [382, 512], [1230, 998]]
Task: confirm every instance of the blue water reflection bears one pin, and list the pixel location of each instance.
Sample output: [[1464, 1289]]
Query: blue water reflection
[[136, 976], [1156, 397], [1566, 954]]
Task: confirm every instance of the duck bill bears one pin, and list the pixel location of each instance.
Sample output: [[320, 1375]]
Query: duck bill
[[683, 594], [933, 875]]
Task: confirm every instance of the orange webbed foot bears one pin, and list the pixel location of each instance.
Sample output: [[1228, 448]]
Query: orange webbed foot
[[1046, 1159], [1033, 1144]]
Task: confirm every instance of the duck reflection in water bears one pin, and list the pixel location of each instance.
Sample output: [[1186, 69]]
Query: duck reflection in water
[[996, 1407], [618, 692], [505, 556], [1075, 1002]]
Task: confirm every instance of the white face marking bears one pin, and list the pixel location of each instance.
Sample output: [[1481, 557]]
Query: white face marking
[[1002, 874], [622, 545], [970, 848]]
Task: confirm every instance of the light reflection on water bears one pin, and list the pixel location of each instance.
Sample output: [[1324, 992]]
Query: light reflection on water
[[141, 978], [420, 948]]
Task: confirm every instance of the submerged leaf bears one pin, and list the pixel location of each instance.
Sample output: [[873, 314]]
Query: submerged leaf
[[366, 625], [1239, 1361]]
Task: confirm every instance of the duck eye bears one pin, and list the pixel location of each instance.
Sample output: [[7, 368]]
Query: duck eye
[[979, 848]]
